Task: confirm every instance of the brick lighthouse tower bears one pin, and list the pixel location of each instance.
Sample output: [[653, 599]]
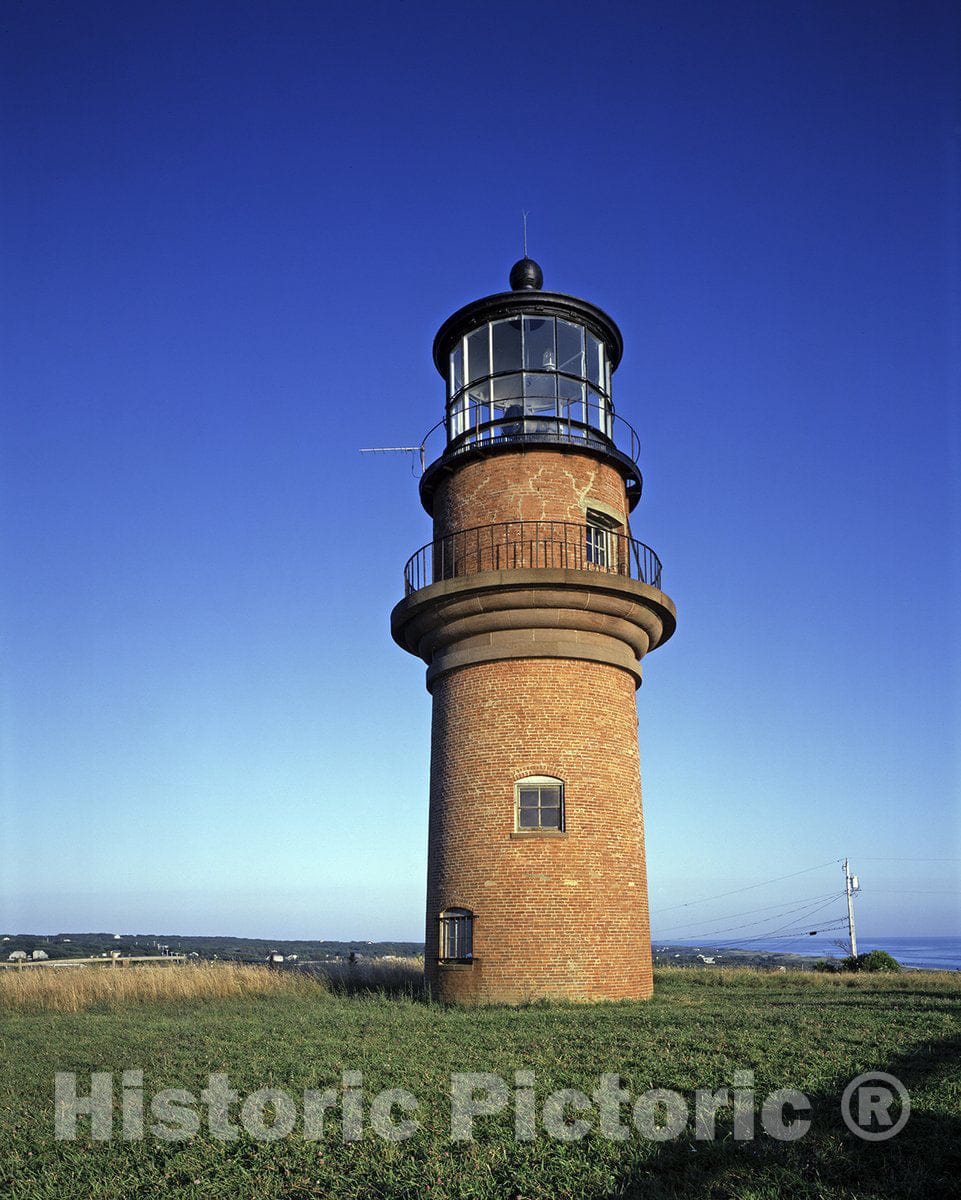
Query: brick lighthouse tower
[[532, 607]]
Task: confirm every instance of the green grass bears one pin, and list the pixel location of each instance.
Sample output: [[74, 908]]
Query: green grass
[[799, 1031]]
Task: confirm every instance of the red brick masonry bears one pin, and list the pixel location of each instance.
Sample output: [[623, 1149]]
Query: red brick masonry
[[555, 916], [533, 672]]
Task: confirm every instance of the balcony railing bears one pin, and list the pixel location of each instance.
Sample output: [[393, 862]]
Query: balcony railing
[[518, 545], [466, 431]]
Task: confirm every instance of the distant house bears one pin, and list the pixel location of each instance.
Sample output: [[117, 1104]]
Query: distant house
[[39, 955], [274, 958], [17, 956]]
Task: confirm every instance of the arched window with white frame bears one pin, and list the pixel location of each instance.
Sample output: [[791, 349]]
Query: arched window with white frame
[[539, 804]]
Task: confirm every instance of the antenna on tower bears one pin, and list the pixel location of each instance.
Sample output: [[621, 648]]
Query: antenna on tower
[[399, 450], [525, 215]]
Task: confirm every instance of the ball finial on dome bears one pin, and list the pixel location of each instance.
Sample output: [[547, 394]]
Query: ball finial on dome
[[526, 275]]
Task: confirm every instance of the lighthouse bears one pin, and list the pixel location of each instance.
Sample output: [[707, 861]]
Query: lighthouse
[[532, 607]]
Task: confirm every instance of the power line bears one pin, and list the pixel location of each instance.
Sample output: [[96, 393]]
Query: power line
[[797, 934], [903, 892], [764, 908], [748, 888], [782, 933], [795, 916], [778, 929]]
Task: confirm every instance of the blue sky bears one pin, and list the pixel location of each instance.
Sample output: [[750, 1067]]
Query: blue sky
[[229, 233]]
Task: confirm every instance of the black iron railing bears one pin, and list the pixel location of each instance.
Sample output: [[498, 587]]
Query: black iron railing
[[517, 545], [466, 431]]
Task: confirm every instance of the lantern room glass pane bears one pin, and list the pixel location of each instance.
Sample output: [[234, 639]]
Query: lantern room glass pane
[[540, 387], [595, 360], [457, 368], [596, 410], [570, 395], [570, 348], [599, 411], [539, 351], [508, 390], [507, 345], [479, 394], [459, 419], [478, 354], [539, 400]]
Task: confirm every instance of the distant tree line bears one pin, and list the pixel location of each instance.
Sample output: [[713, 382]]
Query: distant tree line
[[233, 949]]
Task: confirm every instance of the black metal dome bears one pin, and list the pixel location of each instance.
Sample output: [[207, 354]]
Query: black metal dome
[[526, 276]]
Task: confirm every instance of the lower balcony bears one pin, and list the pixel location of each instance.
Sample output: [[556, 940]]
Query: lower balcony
[[532, 545]]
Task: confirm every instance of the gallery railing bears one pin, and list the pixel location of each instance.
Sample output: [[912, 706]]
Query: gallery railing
[[517, 545]]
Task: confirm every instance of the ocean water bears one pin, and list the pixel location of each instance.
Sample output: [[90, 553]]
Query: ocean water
[[941, 953]]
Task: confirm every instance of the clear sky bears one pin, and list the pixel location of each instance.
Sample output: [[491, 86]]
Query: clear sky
[[229, 234]]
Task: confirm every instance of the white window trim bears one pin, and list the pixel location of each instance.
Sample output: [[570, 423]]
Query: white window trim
[[539, 781]]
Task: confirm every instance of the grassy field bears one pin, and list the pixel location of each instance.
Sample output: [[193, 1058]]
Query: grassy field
[[271, 1029]]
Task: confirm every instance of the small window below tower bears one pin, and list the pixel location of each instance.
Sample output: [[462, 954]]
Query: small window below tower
[[456, 935], [539, 803]]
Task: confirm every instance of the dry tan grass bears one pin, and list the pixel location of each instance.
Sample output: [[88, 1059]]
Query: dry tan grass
[[391, 976], [72, 989]]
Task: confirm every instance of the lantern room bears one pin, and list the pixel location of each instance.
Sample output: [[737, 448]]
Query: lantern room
[[530, 366]]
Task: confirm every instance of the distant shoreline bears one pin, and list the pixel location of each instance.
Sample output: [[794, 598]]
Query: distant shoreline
[[941, 953], [931, 953]]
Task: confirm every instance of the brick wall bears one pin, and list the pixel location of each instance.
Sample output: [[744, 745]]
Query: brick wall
[[562, 917], [527, 485]]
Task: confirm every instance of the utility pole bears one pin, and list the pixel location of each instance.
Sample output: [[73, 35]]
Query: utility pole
[[850, 887]]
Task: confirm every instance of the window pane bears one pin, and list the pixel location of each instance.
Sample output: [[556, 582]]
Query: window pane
[[528, 818], [550, 818], [478, 354], [458, 421], [507, 345], [596, 410], [539, 395], [570, 348], [597, 546], [457, 368], [540, 385], [479, 394], [550, 797], [595, 360], [456, 934], [539, 343], [571, 398], [508, 390], [528, 797]]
